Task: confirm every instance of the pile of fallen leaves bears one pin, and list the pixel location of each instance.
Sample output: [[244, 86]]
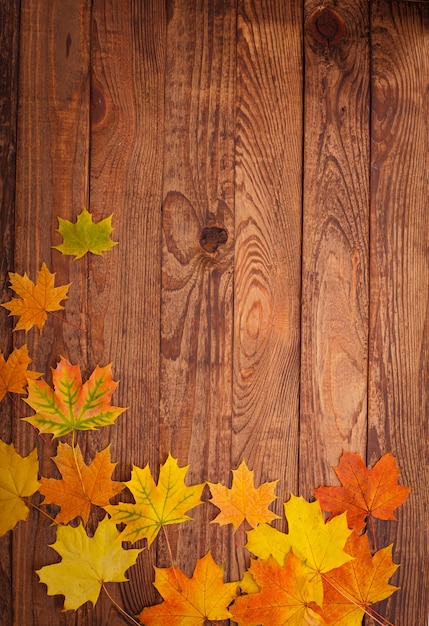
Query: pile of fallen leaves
[[319, 572]]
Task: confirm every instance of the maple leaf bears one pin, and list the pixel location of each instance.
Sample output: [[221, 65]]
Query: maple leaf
[[364, 493], [190, 601], [79, 488], [265, 541], [288, 594], [350, 589], [85, 236], [18, 479], [14, 372], [71, 405], [156, 505], [243, 501], [87, 563], [35, 300], [320, 544]]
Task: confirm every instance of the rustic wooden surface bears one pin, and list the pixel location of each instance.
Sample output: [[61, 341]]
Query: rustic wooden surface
[[268, 299]]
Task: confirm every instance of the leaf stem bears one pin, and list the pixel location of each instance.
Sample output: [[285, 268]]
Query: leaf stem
[[66, 321], [179, 588], [29, 503], [77, 465], [15, 404], [118, 606], [366, 609]]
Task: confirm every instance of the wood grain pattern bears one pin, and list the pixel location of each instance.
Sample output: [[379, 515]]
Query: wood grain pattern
[[9, 45], [399, 357], [335, 246], [51, 180], [128, 55], [268, 243], [197, 268]]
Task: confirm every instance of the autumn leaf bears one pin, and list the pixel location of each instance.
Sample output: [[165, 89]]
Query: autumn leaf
[[288, 594], [71, 405], [243, 501], [319, 544], [265, 541], [14, 372], [85, 236], [350, 589], [87, 563], [79, 488], [35, 300], [364, 492], [18, 479], [156, 505], [190, 601]]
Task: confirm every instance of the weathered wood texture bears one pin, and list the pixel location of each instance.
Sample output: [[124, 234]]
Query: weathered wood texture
[[399, 278], [268, 299]]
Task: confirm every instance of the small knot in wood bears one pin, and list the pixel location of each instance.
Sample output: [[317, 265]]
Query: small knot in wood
[[326, 26], [212, 237]]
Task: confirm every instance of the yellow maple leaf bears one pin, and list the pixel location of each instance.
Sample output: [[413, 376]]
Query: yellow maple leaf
[[320, 544], [243, 501], [79, 488], [265, 541], [14, 372], [18, 479], [87, 563], [288, 594], [35, 299], [190, 601], [156, 505]]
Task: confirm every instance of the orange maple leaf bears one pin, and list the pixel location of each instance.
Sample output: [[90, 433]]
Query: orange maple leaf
[[365, 492], [14, 372], [81, 485], [350, 589], [289, 594], [35, 300], [243, 501], [190, 601]]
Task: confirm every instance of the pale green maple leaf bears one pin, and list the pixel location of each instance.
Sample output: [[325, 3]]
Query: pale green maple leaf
[[85, 236]]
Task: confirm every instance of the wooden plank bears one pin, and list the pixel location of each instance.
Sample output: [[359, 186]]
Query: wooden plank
[[335, 239], [197, 265], [124, 294], [52, 179], [399, 357], [268, 242], [9, 42]]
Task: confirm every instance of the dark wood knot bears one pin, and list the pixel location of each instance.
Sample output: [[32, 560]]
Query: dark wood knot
[[326, 26], [212, 237]]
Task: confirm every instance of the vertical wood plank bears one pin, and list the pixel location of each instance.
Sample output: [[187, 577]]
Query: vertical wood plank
[[268, 242], [126, 180], [9, 43], [335, 239], [51, 180], [399, 357], [197, 265]]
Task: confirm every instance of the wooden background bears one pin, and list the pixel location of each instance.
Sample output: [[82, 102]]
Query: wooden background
[[268, 299]]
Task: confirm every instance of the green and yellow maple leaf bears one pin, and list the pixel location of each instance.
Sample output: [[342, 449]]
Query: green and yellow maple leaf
[[156, 505], [71, 405], [18, 479], [14, 373], [85, 235], [243, 501], [35, 299], [81, 485], [87, 563], [190, 601]]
